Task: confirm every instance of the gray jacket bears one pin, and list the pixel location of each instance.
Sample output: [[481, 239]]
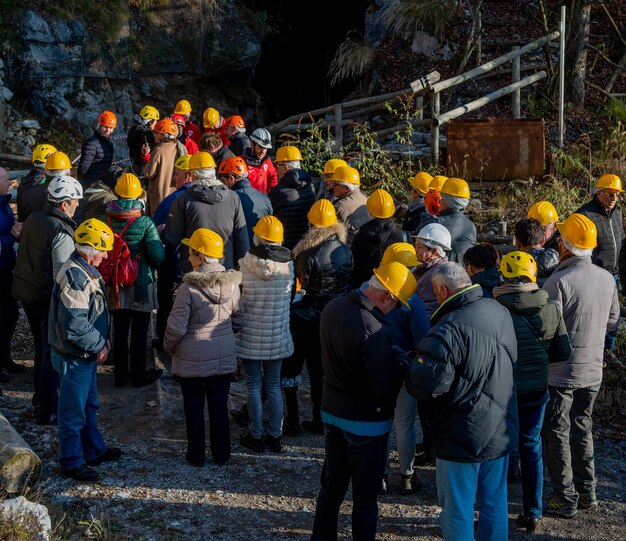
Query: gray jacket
[[462, 231], [425, 288], [352, 211], [587, 296]]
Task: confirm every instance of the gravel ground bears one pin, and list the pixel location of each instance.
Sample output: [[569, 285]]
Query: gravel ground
[[152, 494]]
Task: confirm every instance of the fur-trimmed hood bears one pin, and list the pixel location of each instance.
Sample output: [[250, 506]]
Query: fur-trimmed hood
[[266, 269], [319, 235], [218, 283]]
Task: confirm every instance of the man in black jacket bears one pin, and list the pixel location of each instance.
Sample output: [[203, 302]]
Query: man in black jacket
[[362, 378], [465, 366], [140, 138]]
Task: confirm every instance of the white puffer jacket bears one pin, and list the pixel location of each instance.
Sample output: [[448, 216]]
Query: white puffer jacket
[[266, 295]]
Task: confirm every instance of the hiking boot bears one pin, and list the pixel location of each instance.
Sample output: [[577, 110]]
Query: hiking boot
[[316, 427], [110, 454], [83, 473], [273, 444], [292, 431], [587, 501], [14, 368], [383, 486], [555, 505], [611, 360], [410, 484], [530, 524], [149, 377], [252, 443]]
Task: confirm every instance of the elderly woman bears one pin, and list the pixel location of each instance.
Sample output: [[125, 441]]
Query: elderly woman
[[265, 338], [200, 336]]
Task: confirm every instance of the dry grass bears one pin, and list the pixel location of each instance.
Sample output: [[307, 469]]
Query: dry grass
[[405, 17], [354, 59]]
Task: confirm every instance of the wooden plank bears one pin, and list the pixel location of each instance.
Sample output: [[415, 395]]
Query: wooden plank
[[426, 82]]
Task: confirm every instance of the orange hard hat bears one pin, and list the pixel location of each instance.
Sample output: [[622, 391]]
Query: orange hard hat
[[107, 118], [235, 165], [166, 126], [235, 120]]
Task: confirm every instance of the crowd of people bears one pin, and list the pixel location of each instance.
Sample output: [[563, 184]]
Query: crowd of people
[[252, 263]]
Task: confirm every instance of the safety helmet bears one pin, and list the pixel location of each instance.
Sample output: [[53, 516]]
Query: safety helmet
[[345, 173], [58, 161], [210, 117], [288, 154], [421, 182], [580, 231], [128, 186], [456, 187], [332, 164], [234, 165], [609, 183], [322, 214], [544, 212], [41, 153], [262, 137], [269, 228], [235, 120], [183, 107], [435, 236], [380, 204], [182, 163], [206, 242], [201, 160], [432, 201], [400, 252], [516, 264], [95, 233], [178, 119], [398, 280], [166, 127], [437, 182], [149, 113], [108, 119], [64, 188]]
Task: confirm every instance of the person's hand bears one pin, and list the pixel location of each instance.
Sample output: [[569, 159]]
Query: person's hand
[[16, 229], [161, 228], [145, 149], [101, 357]]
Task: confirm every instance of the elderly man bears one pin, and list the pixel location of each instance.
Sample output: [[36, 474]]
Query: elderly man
[[420, 184], [587, 296], [455, 196], [97, 153], [46, 242], [362, 378], [327, 185], [261, 171], [465, 365], [78, 335], [207, 203], [350, 202], [545, 213]]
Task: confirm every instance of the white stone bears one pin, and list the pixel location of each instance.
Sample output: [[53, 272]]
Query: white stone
[[6, 93], [20, 506], [30, 124]]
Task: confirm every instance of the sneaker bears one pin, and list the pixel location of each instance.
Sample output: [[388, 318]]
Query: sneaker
[[555, 505], [587, 501], [611, 360], [292, 431], [82, 473], [314, 427], [410, 484], [14, 368], [110, 455], [252, 443], [383, 486], [149, 377], [530, 524], [273, 444]]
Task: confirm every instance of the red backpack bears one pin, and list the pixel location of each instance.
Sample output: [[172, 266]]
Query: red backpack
[[119, 269]]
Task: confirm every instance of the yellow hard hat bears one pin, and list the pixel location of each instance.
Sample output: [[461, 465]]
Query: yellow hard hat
[[128, 186], [288, 154], [210, 117], [332, 164], [183, 107], [201, 160], [580, 231], [206, 242], [398, 280], [41, 153], [516, 264], [421, 182], [58, 161], [380, 204], [269, 228], [149, 113], [609, 183], [182, 162], [456, 187], [544, 212], [437, 182], [322, 214], [400, 252], [345, 173], [95, 233]]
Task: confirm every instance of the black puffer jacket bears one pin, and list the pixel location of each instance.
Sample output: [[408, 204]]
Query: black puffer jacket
[[222, 154], [138, 135], [238, 143], [96, 157], [323, 264], [462, 231], [369, 245], [291, 200], [466, 364], [610, 234], [32, 193]]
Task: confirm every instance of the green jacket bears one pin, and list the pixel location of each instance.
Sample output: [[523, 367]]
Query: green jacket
[[541, 334], [141, 237]]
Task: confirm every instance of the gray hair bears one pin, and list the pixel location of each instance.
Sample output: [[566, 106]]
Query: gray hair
[[575, 250], [206, 176], [57, 172], [86, 249], [208, 259], [292, 164], [452, 275], [377, 284], [257, 241], [349, 185]]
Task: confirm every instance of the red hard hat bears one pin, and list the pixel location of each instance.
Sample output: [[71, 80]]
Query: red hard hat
[[178, 119]]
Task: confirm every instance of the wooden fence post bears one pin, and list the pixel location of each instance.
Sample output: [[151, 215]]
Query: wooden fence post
[[434, 127], [338, 128], [516, 95], [419, 108]]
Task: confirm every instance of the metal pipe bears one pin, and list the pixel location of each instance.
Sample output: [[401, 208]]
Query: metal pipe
[[517, 94], [562, 78], [434, 127]]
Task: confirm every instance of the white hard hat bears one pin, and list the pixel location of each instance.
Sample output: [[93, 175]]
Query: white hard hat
[[262, 137], [435, 236], [63, 188]]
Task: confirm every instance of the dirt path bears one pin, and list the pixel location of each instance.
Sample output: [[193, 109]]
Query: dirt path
[[152, 494]]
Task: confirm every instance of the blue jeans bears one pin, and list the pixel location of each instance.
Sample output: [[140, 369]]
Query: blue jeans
[[79, 437], [458, 485], [267, 374], [404, 417], [350, 457], [530, 410]]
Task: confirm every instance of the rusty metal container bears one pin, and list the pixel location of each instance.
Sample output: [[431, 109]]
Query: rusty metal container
[[496, 149]]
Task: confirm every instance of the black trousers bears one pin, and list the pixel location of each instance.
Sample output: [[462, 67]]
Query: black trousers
[[137, 323], [9, 315], [215, 389]]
